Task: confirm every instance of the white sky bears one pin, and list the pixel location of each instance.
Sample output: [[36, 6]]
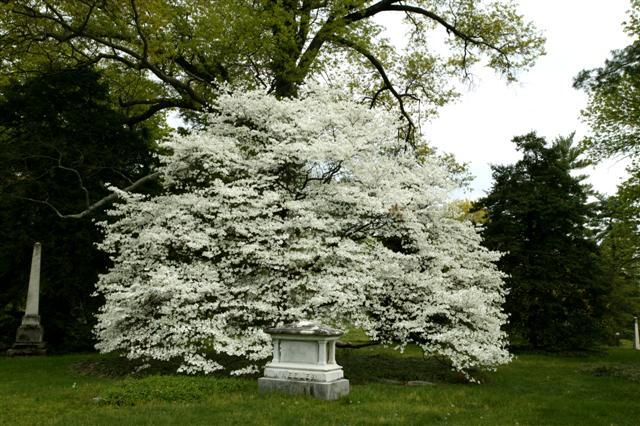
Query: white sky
[[479, 127]]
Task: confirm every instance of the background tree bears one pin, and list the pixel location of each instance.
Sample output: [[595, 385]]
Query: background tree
[[613, 112], [177, 54], [538, 216], [61, 145], [613, 115], [620, 254], [470, 212], [168, 54]]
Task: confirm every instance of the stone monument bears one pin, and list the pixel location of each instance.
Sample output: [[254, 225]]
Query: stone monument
[[304, 362], [29, 335], [636, 334]]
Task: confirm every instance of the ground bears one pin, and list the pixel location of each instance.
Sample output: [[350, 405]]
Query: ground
[[599, 389]]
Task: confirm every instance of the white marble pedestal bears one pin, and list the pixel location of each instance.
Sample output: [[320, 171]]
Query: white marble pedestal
[[304, 362]]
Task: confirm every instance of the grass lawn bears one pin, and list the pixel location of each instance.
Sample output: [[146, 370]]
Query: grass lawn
[[601, 389]]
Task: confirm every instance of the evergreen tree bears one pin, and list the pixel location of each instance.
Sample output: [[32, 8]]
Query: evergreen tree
[[60, 144], [538, 217]]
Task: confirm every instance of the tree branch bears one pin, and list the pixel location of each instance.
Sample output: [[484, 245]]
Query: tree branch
[[80, 181], [392, 6], [376, 95], [157, 104], [387, 83], [141, 60], [203, 73], [304, 24], [370, 11], [143, 38], [478, 41], [98, 204]]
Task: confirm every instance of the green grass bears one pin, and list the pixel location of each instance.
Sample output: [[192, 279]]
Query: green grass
[[536, 389]]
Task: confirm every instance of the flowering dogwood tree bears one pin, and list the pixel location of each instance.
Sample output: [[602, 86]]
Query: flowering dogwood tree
[[283, 210]]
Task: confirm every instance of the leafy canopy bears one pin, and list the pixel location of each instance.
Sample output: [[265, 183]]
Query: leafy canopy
[[620, 254], [613, 112], [176, 54]]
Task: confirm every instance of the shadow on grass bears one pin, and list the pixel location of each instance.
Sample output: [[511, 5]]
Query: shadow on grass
[[393, 368], [624, 371], [582, 353], [360, 367], [115, 366]]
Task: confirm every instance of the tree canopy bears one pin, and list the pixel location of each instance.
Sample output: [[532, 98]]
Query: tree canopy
[[275, 214], [177, 54], [613, 112], [620, 254], [538, 216]]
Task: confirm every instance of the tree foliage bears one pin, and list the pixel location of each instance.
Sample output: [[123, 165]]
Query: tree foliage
[[538, 216], [620, 254], [276, 213], [177, 54], [60, 143], [470, 212], [613, 112]]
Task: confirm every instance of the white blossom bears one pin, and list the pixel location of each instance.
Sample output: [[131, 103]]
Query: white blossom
[[283, 210]]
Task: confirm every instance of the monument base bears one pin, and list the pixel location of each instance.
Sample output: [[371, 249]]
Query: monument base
[[321, 390], [27, 349], [28, 341], [29, 333]]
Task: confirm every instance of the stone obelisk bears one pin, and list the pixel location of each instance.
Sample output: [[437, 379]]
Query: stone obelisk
[[30, 333], [636, 334]]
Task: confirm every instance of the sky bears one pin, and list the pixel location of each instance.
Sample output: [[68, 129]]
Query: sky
[[478, 128]]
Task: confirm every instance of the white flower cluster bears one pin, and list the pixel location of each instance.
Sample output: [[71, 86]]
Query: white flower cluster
[[283, 210]]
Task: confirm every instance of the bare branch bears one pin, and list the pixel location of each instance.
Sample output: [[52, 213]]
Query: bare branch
[[98, 204], [324, 178], [372, 224], [80, 181], [45, 202]]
